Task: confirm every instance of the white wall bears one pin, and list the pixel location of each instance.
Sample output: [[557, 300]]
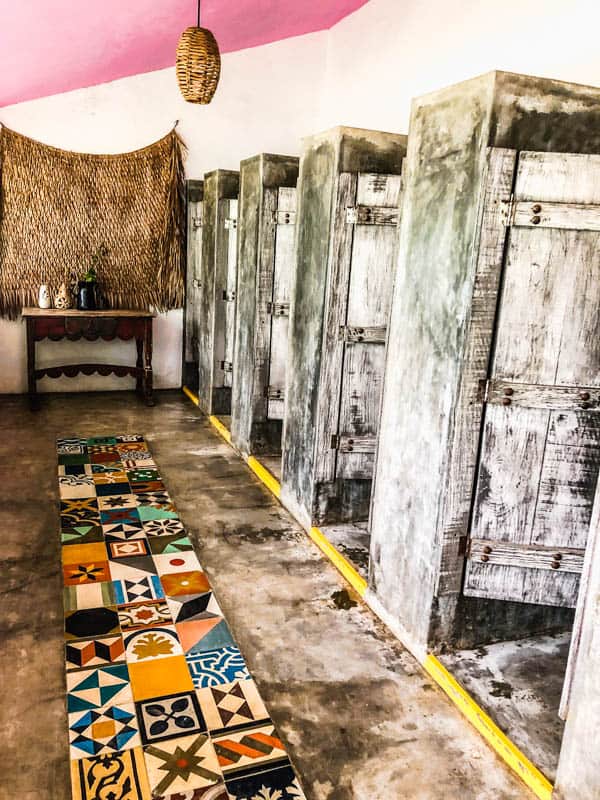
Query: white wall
[[390, 51], [267, 100]]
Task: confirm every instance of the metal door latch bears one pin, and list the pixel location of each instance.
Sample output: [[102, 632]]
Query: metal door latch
[[226, 366], [229, 297], [230, 224]]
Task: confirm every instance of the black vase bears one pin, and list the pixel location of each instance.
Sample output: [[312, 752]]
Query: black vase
[[86, 296]]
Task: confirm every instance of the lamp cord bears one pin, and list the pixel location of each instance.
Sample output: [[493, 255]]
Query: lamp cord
[[198, 13]]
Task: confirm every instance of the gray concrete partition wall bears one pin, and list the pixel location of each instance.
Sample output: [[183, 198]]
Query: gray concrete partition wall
[[251, 431], [449, 134], [325, 156], [219, 185]]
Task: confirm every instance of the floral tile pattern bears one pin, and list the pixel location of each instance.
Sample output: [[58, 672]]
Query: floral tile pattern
[[160, 702]]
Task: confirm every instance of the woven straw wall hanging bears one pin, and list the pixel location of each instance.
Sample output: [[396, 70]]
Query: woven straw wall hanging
[[198, 64], [58, 208]]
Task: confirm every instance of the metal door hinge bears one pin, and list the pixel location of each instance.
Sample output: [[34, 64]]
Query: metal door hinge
[[372, 215], [372, 335], [196, 283], [226, 366], [335, 441], [273, 393], [229, 297], [230, 224], [278, 309], [285, 218], [197, 222], [482, 391]]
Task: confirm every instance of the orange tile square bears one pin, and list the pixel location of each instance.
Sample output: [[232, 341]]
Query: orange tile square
[[158, 677], [84, 553], [175, 583], [85, 572]]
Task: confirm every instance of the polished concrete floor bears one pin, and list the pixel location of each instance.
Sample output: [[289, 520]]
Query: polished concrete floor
[[360, 719]]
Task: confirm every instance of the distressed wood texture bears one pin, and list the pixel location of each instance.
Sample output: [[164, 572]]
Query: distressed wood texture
[[265, 254], [194, 192], [279, 307], [539, 462], [219, 185], [327, 186], [358, 298], [225, 295], [418, 532], [497, 186]]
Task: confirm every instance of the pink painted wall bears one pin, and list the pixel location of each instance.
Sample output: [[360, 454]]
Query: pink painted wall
[[57, 45]]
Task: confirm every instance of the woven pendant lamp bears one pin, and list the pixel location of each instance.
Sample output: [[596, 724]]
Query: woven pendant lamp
[[198, 64]]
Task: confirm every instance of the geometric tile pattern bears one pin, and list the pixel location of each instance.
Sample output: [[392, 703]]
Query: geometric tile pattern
[[160, 702]]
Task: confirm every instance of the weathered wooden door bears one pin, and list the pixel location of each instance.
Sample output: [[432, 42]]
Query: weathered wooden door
[[540, 441], [193, 271], [359, 296], [225, 288], [279, 306]]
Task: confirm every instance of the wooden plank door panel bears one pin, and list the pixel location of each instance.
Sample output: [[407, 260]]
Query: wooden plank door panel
[[367, 312], [193, 261], [280, 304], [540, 450]]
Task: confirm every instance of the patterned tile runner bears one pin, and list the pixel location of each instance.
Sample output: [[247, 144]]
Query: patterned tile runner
[[160, 702]]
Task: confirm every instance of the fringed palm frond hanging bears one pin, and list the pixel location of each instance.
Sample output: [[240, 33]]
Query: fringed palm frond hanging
[[57, 208]]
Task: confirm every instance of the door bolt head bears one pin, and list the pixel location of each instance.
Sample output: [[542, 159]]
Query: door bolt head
[[487, 549], [506, 401], [485, 558], [536, 220], [536, 208], [584, 395], [508, 391], [555, 564]]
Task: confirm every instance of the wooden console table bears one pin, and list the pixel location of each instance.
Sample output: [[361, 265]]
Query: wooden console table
[[70, 324]]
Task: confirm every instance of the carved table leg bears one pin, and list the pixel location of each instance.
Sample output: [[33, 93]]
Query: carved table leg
[[139, 364], [31, 382], [148, 363]]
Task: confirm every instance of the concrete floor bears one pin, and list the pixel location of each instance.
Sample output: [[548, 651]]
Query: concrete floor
[[519, 684], [360, 718]]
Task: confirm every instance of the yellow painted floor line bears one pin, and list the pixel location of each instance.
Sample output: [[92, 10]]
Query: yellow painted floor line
[[498, 740], [509, 752]]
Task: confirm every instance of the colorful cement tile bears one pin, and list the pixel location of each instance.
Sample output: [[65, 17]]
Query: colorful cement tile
[[155, 642], [132, 568], [164, 527], [74, 469], [124, 530], [142, 487], [142, 475], [122, 775], [134, 547], [76, 486], [215, 667], [120, 516], [215, 792], [105, 457], [91, 623], [182, 765], [176, 562], [158, 677], [98, 687], [250, 745], [176, 543], [231, 704], [133, 591], [139, 456], [83, 553], [151, 512], [144, 615], [108, 473], [85, 572], [89, 595], [156, 499], [271, 781], [169, 717], [95, 652], [109, 502], [195, 606], [121, 488], [201, 635], [69, 459], [96, 441], [76, 511], [176, 583], [82, 534], [130, 437], [103, 730]]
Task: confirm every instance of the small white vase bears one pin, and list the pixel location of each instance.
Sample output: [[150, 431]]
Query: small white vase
[[44, 297]]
